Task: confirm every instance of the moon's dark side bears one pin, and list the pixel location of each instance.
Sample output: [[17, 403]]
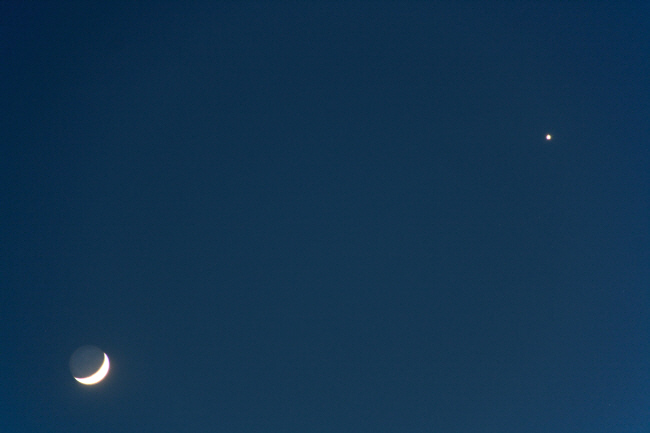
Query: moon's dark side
[[85, 361]]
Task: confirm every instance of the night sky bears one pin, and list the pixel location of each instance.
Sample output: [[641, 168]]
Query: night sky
[[326, 217]]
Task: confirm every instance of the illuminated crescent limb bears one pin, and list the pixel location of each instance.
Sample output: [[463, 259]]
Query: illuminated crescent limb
[[96, 377]]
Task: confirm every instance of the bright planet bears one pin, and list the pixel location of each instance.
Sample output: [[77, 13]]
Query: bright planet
[[89, 365]]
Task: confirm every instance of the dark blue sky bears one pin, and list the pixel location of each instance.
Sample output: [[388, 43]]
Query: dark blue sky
[[326, 216]]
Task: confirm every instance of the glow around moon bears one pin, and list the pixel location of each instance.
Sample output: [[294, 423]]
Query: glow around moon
[[98, 376]]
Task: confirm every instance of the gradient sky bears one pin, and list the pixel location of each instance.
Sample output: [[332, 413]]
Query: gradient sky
[[334, 217]]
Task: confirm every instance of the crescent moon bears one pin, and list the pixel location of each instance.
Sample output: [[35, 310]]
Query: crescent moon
[[98, 376]]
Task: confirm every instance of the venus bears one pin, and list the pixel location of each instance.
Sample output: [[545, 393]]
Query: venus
[[89, 365]]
